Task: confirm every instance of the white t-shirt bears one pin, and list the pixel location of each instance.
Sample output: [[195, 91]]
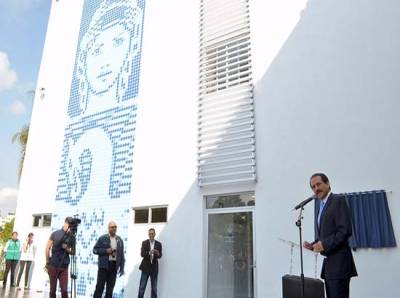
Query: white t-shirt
[[29, 255], [113, 240]]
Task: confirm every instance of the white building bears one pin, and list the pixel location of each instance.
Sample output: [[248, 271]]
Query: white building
[[137, 116]]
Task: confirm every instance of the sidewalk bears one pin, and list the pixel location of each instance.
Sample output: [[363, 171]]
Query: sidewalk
[[19, 293]]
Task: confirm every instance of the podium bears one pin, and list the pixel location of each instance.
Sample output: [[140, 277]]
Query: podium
[[291, 287]]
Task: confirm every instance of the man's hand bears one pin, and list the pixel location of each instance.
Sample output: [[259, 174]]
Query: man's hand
[[317, 247], [71, 251], [156, 252], [121, 272], [307, 245], [109, 251], [46, 266]]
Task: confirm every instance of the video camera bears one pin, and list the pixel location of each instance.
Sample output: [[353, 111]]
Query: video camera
[[68, 241], [73, 223]]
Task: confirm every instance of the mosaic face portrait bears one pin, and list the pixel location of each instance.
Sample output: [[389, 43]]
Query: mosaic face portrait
[[96, 162], [102, 68], [107, 59]]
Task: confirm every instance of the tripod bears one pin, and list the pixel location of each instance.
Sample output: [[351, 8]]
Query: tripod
[[69, 239], [73, 266], [73, 272]]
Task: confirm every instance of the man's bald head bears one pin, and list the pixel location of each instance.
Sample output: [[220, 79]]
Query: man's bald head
[[112, 228]]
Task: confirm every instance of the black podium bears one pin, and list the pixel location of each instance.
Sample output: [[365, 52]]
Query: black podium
[[291, 287]]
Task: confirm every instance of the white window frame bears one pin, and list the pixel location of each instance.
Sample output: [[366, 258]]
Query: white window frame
[[206, 212]]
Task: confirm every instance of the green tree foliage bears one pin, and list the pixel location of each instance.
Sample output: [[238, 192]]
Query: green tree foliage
[[22, 138], [6, 232]]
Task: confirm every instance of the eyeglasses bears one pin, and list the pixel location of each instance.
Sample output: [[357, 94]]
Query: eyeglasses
[[113, 227]]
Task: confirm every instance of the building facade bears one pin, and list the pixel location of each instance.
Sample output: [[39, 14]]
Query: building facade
[[204, 120]]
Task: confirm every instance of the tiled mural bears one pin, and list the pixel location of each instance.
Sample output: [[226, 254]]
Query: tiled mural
[[95, 173]]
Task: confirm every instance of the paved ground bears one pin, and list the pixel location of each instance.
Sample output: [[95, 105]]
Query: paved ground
[[19, 293]]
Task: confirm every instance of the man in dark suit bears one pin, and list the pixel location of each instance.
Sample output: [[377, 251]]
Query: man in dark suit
[[151, 251], [332, 231]]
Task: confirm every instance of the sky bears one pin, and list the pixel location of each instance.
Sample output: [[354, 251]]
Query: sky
[[23, 25]]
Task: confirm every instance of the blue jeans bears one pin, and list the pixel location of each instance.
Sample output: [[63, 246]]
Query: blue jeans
[[143, 282]]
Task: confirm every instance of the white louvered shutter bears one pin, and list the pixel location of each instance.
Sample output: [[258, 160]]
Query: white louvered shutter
[[226, 141]]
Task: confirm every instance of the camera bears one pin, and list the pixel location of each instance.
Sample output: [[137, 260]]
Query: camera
[[68, 241], [73, 223]]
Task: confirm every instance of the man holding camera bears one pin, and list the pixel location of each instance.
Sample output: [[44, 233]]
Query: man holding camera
[[110, 249], [61, 244]]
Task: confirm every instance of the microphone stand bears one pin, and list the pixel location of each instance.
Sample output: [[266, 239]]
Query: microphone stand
[[298, 224]]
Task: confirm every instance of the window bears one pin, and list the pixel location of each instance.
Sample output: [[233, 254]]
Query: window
[[36, 220], [157, 214], [142, 215], [226, 129], [46, 220], [230, 200], [41, 220]]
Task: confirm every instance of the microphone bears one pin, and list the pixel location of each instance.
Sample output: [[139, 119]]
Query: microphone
[[305, 202]]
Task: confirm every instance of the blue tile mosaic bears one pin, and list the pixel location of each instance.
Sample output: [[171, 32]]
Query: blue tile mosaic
[[96, 165]]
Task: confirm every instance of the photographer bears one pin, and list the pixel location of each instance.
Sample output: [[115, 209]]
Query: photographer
[[110, 249], [61, 244]]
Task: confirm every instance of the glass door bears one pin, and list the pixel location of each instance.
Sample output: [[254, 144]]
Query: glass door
[[230, 268]]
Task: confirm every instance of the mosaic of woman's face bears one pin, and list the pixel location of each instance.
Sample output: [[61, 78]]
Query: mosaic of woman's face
[[106, 57]]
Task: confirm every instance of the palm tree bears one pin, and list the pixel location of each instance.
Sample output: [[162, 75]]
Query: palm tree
[[22, 138]]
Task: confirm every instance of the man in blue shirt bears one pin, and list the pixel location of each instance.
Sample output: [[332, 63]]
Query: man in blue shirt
[[61, 244]]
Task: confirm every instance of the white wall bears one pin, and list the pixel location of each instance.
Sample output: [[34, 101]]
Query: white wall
[[326, 100], [165, 150], [325, 89]]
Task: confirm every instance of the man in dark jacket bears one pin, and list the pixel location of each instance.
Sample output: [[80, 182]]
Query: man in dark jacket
[[332, 231], [151, 251], [110, 249]]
